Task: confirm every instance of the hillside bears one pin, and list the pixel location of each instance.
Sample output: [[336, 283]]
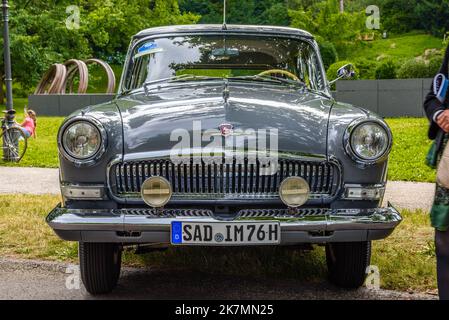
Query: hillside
[[399, 47]]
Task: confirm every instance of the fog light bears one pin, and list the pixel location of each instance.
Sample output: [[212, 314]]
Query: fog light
[[294, 191], [156, 192]]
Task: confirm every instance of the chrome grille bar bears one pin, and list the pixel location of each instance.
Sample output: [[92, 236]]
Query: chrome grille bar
[[226, 179]]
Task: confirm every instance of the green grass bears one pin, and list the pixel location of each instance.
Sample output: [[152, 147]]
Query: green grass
[[401, 47], [43, 151], [410, 147], [406, 260]]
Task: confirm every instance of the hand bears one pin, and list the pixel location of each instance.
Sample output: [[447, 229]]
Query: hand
[[443, 121]]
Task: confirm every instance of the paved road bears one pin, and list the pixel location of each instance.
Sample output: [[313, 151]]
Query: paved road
[[29, 180], [47, 280], [406, 195]]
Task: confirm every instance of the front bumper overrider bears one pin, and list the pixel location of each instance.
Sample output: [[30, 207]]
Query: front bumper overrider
[[133, 226]]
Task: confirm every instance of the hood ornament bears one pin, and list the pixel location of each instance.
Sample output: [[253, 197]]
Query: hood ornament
[[226, 129]]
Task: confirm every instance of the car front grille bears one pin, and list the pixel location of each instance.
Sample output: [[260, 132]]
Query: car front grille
[[236, 180]]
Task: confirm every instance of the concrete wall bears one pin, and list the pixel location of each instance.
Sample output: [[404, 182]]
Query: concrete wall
[[388, 98], [63, 105]]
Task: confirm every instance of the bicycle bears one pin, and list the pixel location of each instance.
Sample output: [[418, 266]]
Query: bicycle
[[13, 142]]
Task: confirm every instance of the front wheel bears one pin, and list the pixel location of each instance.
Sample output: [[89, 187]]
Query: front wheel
[[100, 265], [13, 144], [347, 263]]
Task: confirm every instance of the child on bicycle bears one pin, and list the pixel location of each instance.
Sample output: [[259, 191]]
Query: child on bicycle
[[29, 125]]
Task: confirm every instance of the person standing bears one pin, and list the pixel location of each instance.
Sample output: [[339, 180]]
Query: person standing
[[437, 111]]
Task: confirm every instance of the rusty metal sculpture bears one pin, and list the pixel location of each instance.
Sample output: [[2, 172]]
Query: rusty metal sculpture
[[60, 78]]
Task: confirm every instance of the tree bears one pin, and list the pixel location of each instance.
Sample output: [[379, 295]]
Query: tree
[[40, 37], [324, 19], [263, 12], [110, 25]]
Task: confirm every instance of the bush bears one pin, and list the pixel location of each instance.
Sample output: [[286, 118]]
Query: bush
[[367, 68], [419, 69], [435, 65], [328, 53], [386, 70]]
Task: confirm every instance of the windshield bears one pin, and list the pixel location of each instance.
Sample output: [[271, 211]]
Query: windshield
[[282, 61]]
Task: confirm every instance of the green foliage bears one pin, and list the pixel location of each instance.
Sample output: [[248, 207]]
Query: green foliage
[[405, 46], [368, 55], [434, 65], [404, 15], [386, 70], [110, 25], [414, 68], [39, 36], [367, 68], [328, 53], [323, 18], [263, 12]]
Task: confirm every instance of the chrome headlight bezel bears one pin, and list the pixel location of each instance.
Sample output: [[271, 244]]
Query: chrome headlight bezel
[[347, 142], [94, 158]]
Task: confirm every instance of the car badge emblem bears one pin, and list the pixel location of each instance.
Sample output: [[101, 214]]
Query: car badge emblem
[[226, 129]]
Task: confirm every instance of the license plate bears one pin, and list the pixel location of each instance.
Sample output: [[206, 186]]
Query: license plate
[[225, 233]]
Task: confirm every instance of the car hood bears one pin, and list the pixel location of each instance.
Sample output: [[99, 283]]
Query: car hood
[[153, 122]]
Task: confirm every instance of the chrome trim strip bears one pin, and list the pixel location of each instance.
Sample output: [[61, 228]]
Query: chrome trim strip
[[121, 220]]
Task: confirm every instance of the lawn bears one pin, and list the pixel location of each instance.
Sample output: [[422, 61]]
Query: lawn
[[410, 147], [406, 260], [42, 151], [403, 47]]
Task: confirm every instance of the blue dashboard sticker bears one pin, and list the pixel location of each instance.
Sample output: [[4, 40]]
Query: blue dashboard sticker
[[147, 49], [176, 232], [147, 46]]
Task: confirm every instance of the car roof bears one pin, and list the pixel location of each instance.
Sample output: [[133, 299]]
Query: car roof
[[199, 28]]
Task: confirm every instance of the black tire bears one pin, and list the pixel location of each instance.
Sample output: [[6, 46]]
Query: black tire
[[347, 263], [100, 265]]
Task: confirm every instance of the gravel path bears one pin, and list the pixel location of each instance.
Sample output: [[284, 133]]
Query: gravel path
[[22, 279], [406, 195]]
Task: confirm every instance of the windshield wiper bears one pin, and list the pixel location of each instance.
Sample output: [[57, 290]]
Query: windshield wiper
[[268, 79], [182, 77]]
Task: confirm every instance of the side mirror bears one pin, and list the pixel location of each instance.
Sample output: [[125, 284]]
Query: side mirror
[[347, 72]]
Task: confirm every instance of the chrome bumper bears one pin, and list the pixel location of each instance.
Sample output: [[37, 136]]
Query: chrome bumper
[[149, 226]]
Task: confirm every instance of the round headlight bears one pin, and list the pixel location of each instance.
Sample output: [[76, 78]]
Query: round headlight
[[294, 191], [81, 140], [369, 141], [156, 192]]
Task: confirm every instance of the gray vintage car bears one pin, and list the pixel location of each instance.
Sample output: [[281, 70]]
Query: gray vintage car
[[223, 136]]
